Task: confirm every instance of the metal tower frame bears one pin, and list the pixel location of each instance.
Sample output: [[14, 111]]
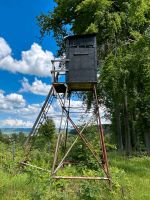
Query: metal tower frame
[[62, 92]]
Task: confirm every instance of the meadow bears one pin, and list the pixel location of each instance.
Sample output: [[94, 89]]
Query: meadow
[[130, 179]]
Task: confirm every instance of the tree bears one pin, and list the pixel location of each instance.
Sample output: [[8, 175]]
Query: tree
[[14, 137], [21, 137], [1, 136], [46, 134], [80, 153], [123, 38], [47, 129]]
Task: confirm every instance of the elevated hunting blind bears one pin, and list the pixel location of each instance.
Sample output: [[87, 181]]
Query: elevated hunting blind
[[79, 66], [82, 62]]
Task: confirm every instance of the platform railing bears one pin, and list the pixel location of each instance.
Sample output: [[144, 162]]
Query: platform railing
[[59, 70]]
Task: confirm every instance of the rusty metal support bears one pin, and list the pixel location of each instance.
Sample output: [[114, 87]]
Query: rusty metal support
[[56, 153], [67, 124], [59, 134], [81, 177], [34, 166], [61, 163], [40, 119], [103, 163], [86, 142], [101, 131]]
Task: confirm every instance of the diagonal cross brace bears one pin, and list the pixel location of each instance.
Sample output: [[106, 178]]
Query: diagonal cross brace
[[60, 164], [86, 142]]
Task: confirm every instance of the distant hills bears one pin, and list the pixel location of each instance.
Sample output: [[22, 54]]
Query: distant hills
[[15, 130], [106, 128]]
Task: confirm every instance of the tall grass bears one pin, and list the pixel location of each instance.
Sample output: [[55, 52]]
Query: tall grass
[[137, 171], [130, 176]]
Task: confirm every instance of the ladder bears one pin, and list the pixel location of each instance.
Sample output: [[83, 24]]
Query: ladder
[[41, 118]]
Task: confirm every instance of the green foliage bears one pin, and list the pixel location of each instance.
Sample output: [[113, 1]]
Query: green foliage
[[4, 138], [123, 32], [110, 19], [21, 137], [130, 180], [80, 154], [46, 135], [123, 38], [47, 129]]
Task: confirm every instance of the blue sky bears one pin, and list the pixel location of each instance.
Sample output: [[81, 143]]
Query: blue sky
[[22, 59], [25, 62]]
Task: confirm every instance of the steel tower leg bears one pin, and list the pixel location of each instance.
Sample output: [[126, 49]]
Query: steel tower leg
[[103, 163], [39, 121], [101, 135]]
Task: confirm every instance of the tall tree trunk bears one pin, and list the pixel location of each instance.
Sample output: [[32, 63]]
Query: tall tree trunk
[[147, 140], [127, 128], [118, 126], [135, 134], [135, 142]]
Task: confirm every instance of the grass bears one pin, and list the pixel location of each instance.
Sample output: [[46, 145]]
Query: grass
[[13, 187], [137, 170], [131, 177]]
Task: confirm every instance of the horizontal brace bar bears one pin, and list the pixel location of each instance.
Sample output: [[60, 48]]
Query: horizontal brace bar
[[77, 107], [80, 112], [55, 116], [60, 60], [80, 177], [27, 164], [60, 70]]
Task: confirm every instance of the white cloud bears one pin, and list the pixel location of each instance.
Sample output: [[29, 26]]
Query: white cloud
[[15, 99], [15, 123], [11, 101], [37, 87], [15, 108], [5, 50], [29, 111], [83, 115], [13, 105], [35, 61]]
